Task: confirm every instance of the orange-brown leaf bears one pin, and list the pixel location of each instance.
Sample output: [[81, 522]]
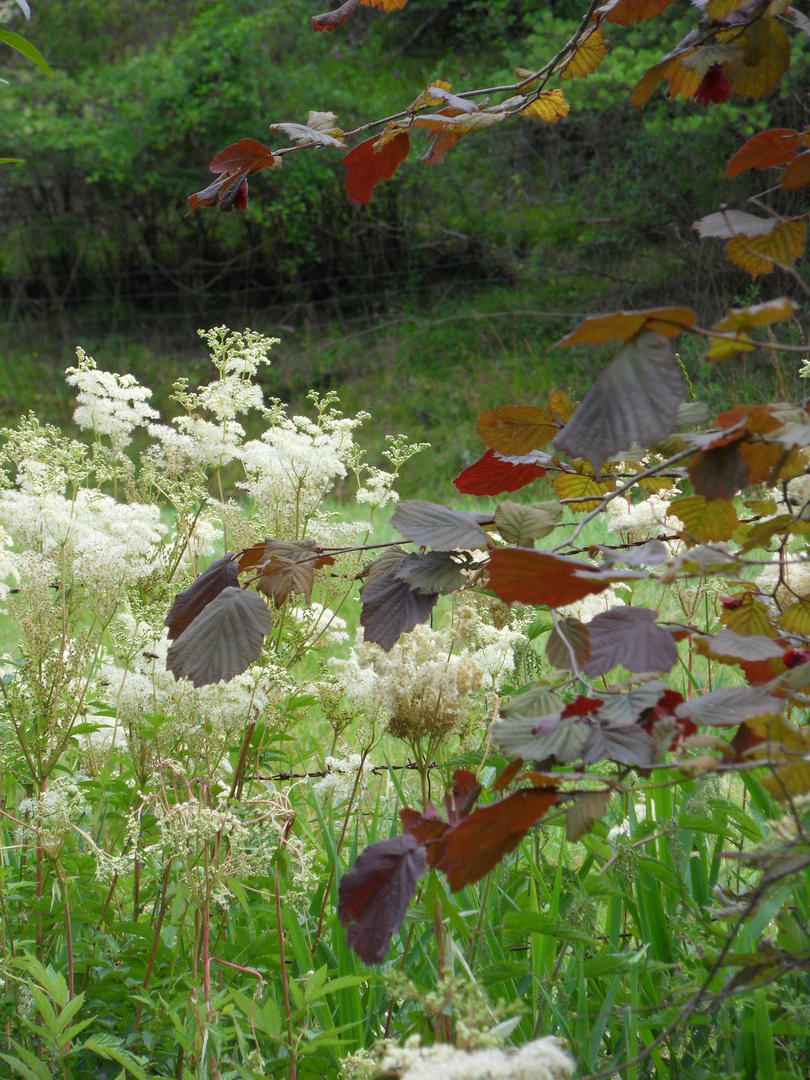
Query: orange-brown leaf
[[508, 774], [748, 318], [760, 254], [764, 150], [623, 325], [625, 12], [372, 161], [536, 577], [514, 430], [797, 173], [469, 851]]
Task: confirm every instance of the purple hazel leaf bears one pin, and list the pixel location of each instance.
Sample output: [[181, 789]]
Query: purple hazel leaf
[[188, 604]]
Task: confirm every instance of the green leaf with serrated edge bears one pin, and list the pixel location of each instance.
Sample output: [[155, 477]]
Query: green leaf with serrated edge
[[532, 704], [109, 1048], [634, 400], [705, 520], [796, 618], [729, 706], [522, 525], [588, 808]]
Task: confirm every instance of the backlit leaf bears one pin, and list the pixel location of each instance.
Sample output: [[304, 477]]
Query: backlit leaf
[[747, 617], [245, 154], [220, 575], [447, 130], [390, 607], [718, 473], [516, 429], [796, 618], [330, 20], [590, 53], [705, 521], [727, 224], [627, 708], [521, 525], [634, 400], [373, 161], [560, 406], [723, 348], [588, 808], [579, 486], [467, 852], [288, 567], [569, 636], [765, 60], [764, 150], [628, 637], [748, 318], [432, 525], [759, 255], [797, 173], [374, 894], [494, 474], [550, 106], [536, 577], [623, 325], [224, 639], [625, 12], [303, 136]]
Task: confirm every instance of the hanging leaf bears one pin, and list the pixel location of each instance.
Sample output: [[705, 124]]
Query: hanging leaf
[[220, 575], [224, 639], [549, 106], [432, 525], [438, 93], [390, 608], [625, 12], [796, 618], [797, 173], [536, 577], [374, 894], [776, 146], [446, 131], [746, 616], [705, 521], [516, 429], [237, 162], [569, 636], [469, 851], [303, 136], [588, 808], [590, 52], [522, 525], [330, 20], [373, 161], [760, 255], [731, 648], [431, 572], [731, 223], [623, 325], [681, 80], [288, 568], [634, 400], [749, 318], [628, 637], [389, 560], [765, 60], [494, 474], [718, 473], [724, 347], [650, 553]]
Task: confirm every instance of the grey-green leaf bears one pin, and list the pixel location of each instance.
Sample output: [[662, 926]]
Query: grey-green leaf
[[432, 525], [431, 572], [634, 400], [224, 639], [522, 525]]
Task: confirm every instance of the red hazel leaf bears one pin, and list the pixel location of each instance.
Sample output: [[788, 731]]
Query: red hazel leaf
[[494, 474], [372, 161], [714, 86]]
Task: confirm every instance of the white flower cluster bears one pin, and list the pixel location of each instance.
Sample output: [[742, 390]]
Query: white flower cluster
[[8, 566], [108, 543], [319, 622], [424, 687], [790, 581], [640, 521], [592, 605], [341, 776], [109, 404], [294, 465], [543, 1059]]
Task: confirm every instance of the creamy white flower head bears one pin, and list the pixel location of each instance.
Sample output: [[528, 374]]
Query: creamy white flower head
[[592, 605], [217, 443], [640, 521], [39, 477], [173, 452], [543, 1059], [791, 580], [377, 489], [317, 620], [341, 775], [9, 572], [109, 404]]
